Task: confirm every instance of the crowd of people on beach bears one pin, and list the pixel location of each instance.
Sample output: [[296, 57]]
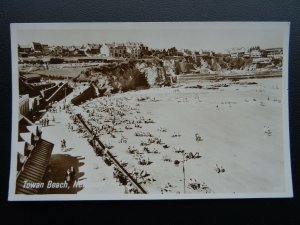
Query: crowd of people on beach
[[55, 108], [92, 136], [110, 116], [196, 185], [45, 122]]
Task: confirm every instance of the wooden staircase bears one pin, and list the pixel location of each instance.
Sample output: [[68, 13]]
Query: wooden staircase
[[35, 167]]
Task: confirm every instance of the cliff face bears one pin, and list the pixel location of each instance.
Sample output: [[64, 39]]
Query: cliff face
[[217, 64], [141, 74], [153, 71], [125, 76]]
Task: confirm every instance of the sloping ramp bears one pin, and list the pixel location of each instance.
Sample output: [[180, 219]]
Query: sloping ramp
[[89, 93], [61, 92], [49, 91]]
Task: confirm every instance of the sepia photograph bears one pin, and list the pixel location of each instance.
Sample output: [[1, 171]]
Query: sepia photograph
[[164, 110]]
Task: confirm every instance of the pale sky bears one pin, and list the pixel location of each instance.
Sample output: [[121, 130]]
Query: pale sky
[[212, 36]]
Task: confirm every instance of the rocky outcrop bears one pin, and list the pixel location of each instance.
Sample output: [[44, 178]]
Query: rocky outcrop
[[89, 93], [183, 67], [155, 74], [144, 73], [130, 75]]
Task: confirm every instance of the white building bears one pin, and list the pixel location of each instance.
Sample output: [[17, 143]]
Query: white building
[[274, 53], [104, 50], [255, 54], [113, 50]]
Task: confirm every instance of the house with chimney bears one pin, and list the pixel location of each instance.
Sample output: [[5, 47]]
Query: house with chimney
[[172, 51], [115, 50], [40, 48], [24, 50], [133, 49], [93, 49], [273, 53]]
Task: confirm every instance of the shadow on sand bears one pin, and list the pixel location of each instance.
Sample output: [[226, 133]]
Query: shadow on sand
[[56, 173], [68, 149]]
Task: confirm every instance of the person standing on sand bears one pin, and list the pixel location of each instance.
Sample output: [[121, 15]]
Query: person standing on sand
[[64, 143], [68, 177], [72, 174]]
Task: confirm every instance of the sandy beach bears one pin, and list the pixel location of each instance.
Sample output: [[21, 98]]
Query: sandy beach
[[240, 148]]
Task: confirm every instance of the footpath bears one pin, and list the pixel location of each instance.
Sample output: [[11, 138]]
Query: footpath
[[95, 176]]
